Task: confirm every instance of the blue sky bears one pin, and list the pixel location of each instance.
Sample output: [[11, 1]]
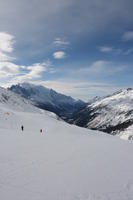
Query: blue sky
[[79, 48]]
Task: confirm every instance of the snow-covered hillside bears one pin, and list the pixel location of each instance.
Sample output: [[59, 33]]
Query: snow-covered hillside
[[10, 100], [112, 114], [64, 162], [48, 99]]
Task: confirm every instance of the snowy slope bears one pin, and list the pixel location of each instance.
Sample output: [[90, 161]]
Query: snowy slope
[[48, 99], [112, 114], [13, 101], [65, 162]]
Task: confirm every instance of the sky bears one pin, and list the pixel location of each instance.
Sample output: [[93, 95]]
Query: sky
[[80, 48]]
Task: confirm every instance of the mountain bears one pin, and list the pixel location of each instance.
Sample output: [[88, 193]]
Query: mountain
[[64, 162], [48, 99], [112, 114], [10, 100]]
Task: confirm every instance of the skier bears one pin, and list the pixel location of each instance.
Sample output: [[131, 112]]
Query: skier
[[22, 127], [40, 130]]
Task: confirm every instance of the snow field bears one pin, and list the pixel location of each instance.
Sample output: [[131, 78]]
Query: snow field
[[65, 162]]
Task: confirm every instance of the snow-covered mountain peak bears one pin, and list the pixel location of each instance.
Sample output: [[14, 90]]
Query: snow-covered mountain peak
[[30, 86], [45, 92], [48, 99], [122, 98], [112, 114]]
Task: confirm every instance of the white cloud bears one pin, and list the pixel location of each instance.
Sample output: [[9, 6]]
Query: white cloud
[[36, 70], [8, 69], [59, 55], [127, 36], [22, 73], [115, 51], [106, 67], [100, 68], [61, 42], [106, 49], [14, 72], [96, 68], [84, 90], [5, 57], [6, 47], [6, 42], [32, 72]]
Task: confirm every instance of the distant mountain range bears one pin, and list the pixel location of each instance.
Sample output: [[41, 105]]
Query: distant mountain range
[[48, 99], [111, 114]]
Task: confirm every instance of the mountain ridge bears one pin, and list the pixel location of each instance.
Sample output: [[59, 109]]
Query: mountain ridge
[[48, 99], [112, 114]]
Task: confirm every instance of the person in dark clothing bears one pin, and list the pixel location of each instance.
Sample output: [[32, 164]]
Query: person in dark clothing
[[22, 127], [40, 130]]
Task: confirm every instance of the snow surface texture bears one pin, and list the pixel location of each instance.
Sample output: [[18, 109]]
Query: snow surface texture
[[64, 162]]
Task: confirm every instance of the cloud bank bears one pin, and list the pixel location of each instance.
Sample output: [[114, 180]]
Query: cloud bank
[[17, 73]]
